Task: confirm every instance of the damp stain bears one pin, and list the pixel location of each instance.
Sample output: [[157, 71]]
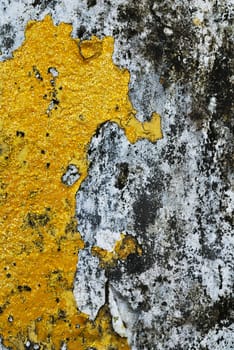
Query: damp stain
[[56, 91]]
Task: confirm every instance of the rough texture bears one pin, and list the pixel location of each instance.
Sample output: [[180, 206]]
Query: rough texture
[[174, 196], [52, 104]]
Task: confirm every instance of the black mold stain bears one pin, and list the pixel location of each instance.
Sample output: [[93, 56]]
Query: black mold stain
[[170, 54], [91, 3], [148, 203], [8, 35], [43, 4], [122, 176], [134, 264], [199, 113], [131, 15], [145, 208], [219, 83], [220, 313], [81, 31], [145, 211]]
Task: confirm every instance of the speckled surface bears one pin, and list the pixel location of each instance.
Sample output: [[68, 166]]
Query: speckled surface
[[174, 196]]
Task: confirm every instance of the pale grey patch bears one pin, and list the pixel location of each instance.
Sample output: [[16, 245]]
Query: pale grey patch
[[71, 175], [123, 316], [89, 284]]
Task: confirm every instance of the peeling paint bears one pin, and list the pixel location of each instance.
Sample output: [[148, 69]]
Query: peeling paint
[[55, 93]]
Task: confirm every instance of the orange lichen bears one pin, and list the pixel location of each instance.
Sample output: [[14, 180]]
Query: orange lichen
[[55, 93], [125, 246]]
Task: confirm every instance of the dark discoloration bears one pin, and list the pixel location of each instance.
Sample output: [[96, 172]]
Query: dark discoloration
[[62, 314], [219, 83], [203, 318], [130, 14], [20, 133], [122, 176], [199, 113], [43, 4], [71, 226], [145, 210], [205, 315], [134, 264], [91, 3], [24, 288], [148, 203], [35, 220], [81, 31], [7, 34], [220, 313], [166, 52]]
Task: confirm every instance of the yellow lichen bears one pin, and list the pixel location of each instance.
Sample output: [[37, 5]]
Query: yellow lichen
[[55, 92], [125, 246], [197, 22]]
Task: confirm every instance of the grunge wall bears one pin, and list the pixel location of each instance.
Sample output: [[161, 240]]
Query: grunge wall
[[172, 198]]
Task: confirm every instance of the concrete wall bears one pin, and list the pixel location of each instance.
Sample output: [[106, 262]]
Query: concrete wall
[[173, 197]]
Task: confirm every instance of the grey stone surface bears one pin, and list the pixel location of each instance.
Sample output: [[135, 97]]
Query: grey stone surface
[[176, 198]]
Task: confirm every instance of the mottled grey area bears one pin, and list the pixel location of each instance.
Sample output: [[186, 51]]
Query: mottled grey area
[[174, 196], [89, 285], [71, 175]]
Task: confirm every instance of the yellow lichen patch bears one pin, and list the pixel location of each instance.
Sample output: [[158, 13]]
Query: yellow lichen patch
[[55, 93], [197, 22], [123, 248]]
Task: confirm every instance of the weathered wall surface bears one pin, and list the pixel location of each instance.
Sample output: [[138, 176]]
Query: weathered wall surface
[[174, 196]]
